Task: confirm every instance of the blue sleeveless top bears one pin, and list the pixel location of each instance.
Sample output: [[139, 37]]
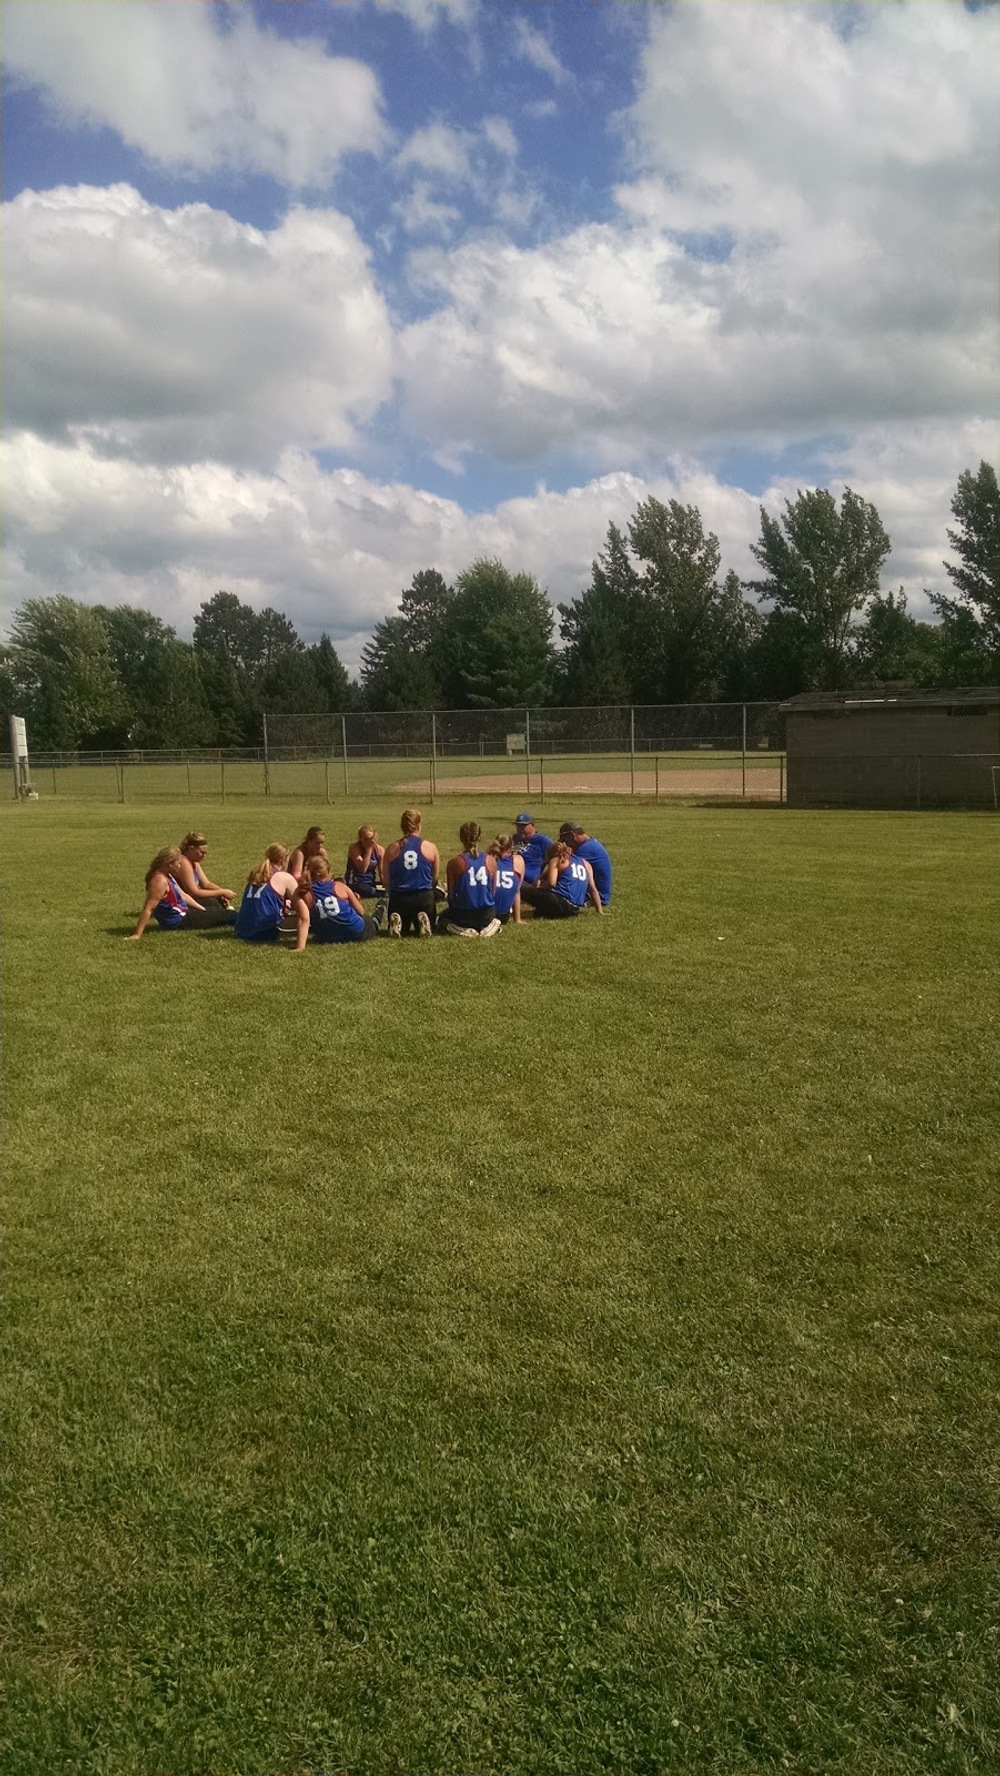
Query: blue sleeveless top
[[410, 872], [172, 910], [473, 889], [362, 881], [332, 919], [260, 914], [572, 883], [505, 886]]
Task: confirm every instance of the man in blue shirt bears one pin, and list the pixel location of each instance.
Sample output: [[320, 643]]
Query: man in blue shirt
[[532, 845], [595, 854]]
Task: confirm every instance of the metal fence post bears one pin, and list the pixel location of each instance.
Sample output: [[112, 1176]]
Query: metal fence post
[[918, 780], [267, 774], [434, 734], [541, 780], [656, 780], [188, 770], [56, 792], [343, 735], [744, 752], [781, 778], [222, 773], [527, 752], [121, 782], [631, 748], [430, 779], [326, 772]]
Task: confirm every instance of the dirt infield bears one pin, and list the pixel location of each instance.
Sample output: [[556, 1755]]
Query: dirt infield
[[761, 785]]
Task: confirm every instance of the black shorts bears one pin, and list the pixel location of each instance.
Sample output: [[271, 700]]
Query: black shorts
[[468, 918], [547, 904], [409, 905], [370, 931], [209, 916]]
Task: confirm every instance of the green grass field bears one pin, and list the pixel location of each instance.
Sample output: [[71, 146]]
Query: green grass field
[[573, 1353]]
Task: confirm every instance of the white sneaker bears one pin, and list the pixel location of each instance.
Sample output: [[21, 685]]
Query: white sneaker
[[491, 929], [424, 926], [460, 931], [395, 925]]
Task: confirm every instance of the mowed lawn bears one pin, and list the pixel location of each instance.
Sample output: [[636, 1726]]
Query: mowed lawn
[[568, 1353]]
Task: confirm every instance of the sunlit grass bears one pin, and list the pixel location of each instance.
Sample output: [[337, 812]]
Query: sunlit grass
[[571, 1352]]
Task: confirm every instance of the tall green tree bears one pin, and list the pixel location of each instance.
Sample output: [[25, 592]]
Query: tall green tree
[[972, 620], [497, 650], [164, 699], [250, 660], [598, 630], [821, 567], [687, 628], [331, 675], [740, 624], [393, 675], [404, 665], [228, 643], [61, 677], [424, 609], [891, 645]]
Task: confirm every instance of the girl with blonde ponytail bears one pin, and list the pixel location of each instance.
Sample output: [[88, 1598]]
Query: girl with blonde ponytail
[[328, 910], [268, 887], [471, 879], [510, 875]]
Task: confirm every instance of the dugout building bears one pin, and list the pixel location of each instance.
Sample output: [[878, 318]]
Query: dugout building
[[893, 747]]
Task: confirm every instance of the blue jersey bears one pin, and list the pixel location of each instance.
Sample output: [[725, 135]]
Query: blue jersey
[[505, 886], [260, 914], [533, 851], [410, 872], [332, 919], [600, 863], [172, 909], [571, 883], [473, 889], [362, 881]]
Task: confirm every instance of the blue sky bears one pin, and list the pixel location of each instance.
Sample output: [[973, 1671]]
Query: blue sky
[[304, 295]]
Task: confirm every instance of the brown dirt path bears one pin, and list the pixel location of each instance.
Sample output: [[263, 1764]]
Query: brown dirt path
[[762, 784]]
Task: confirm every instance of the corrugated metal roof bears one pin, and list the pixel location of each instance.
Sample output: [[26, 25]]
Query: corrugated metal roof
[[889, 698]]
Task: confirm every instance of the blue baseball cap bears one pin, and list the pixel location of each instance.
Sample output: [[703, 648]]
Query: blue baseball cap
[[524, 820]]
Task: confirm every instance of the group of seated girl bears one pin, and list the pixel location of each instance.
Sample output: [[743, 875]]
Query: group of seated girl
[[483, 888]]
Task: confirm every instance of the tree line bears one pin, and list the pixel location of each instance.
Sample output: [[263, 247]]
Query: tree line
[[658, 623]]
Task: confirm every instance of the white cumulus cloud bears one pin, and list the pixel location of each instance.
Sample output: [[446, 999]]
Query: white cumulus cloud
[[182, 333], [334, 549], [198, 87], [809, 243]]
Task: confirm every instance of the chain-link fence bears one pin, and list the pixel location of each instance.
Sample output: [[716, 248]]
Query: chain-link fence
[[695, 750], [518, 733], [902, 780], [144, 777]]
